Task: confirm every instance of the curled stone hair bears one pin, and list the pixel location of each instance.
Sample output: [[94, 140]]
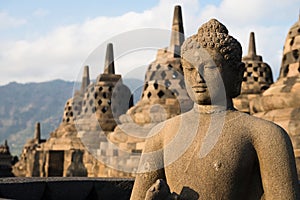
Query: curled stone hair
[[214, 35]]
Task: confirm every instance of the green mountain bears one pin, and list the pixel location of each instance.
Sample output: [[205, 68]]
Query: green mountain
[[22, 105]]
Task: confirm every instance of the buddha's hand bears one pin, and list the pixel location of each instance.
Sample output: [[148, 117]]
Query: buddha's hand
[[160, 191]]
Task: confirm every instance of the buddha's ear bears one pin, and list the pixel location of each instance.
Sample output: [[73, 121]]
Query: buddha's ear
[[241, 69], [241, 66], [239, 74]]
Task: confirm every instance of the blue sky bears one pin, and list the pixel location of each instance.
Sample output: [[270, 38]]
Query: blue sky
[[45, 40], [42, 16]]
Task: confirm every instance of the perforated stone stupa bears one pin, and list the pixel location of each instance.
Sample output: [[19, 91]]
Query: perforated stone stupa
[[101, 131], [88, 115], [28, 164], [6, 160], [54, 156], [164, 94], [98, 132], [74, 105], [257, 77], [108, 98], [104, 101], [281, 102]]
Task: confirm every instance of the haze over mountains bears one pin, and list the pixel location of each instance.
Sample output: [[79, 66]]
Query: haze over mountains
[[22, 105]]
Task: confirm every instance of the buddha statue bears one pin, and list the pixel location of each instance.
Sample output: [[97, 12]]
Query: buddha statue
[[215, 151]]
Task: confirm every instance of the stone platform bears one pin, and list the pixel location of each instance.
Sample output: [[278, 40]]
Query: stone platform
[[65, 188]]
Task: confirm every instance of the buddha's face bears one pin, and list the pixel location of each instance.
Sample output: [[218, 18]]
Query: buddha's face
[[207, 77]]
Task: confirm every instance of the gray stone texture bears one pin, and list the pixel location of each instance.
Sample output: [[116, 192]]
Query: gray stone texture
[[65, 188], [226, 154], [6, 161], [281, 102], [257, 77]]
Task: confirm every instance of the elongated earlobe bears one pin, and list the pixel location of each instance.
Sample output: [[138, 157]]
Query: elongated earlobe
[[238, 80], [241, 66]]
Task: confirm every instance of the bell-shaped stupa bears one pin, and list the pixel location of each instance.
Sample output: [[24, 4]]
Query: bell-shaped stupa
[[281, 102], [108, 97], [164, 94], [257, 77]]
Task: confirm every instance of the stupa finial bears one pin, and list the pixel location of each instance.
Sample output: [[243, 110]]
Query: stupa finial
[[109, 60], [252, 50], [85, 79], [37, 132], [177, 36]]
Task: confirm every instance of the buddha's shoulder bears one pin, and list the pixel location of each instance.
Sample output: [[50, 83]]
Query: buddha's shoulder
[[248, 120], [257, 127], [232, 117]]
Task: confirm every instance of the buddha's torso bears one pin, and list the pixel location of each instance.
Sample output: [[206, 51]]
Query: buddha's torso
[[227, 170]]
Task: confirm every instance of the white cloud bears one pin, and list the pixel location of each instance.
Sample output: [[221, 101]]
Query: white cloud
[[252, 12], [269, 19], [7, 21], [40, 12], [61, 52]]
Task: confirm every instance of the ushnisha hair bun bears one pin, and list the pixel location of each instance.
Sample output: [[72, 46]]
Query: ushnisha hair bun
[[214, 35]]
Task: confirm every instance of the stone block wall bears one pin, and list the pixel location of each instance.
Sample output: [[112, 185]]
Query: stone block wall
[[65, 188]]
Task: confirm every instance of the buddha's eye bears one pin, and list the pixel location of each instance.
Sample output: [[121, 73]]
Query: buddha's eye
[[210, 66], [189, 68]]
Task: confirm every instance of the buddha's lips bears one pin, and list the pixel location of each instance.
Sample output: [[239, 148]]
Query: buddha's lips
[[200, 88]]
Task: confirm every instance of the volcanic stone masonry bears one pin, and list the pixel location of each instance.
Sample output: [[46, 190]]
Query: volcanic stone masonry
[[6, 161], [164, 88], [257, 77], [102, 131], [164, 96], [281, 102]]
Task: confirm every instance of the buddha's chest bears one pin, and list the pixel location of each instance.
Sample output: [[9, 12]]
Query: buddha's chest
[[208, 162]]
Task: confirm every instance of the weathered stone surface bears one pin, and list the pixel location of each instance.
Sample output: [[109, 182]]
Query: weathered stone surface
[[97, 122], [28, 165], [164, 96], [6, 161], [282, 94], [88, 116], [65, 188], [164, 83], [108, 98], [257, 78], [214, 151], [73, 106], [291, 60], [281, 102], [77, 167]]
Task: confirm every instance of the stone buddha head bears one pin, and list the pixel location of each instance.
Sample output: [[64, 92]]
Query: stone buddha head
[[212, 64]]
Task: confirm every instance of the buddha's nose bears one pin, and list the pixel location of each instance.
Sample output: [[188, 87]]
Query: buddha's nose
[[200, 78]]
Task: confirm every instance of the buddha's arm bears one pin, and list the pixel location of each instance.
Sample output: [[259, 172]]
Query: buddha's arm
[[277, 163], [150, 168], [143, 182]]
